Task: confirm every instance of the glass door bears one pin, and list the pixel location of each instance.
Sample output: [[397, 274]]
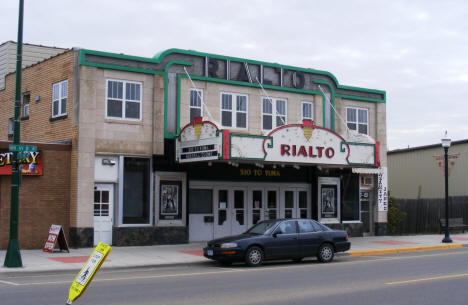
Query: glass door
[[222, 219], [238, 220], [289, 204], [272, 206], [256, 204]]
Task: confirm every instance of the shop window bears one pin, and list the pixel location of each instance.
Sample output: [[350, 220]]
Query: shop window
[[11, 128], [136, 191], [59, 99], [274, 113], [196, 101], [233, 110], [200, 201], [308, 111], [25, 104], [350, 204], [123, 100], [357, 119]]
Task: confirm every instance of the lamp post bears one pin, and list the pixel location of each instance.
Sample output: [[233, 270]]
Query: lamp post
[[446, 144]]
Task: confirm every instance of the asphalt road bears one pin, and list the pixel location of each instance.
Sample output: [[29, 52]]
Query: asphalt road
[[426, 278]]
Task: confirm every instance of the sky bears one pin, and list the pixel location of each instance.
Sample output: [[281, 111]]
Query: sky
[[416, 51]]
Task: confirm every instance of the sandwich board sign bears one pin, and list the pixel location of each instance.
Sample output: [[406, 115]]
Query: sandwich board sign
[[87, 273], [55, 235]]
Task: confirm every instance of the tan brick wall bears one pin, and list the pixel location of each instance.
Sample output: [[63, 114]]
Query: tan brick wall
[[38, 80], [43, 200]]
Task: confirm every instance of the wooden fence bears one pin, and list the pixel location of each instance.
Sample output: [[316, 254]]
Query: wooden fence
[[422, 215]]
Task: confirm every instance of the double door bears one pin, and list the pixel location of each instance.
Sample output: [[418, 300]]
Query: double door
[[272, 203]]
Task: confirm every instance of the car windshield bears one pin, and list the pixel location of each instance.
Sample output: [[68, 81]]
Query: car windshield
[[261, 227]]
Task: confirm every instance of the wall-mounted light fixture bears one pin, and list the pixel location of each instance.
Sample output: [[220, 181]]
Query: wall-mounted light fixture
[[108, 162]]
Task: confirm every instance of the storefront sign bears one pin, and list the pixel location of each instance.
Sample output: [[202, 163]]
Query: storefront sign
[[305, 143], [198, 141], [31, 163], [382, 195], [55, 235]]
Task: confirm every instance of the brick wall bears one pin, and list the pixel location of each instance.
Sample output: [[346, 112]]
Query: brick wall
[[38, 80], [43, 200]]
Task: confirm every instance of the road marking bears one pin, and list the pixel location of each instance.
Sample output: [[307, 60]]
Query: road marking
[[435, 278], [9, 283]]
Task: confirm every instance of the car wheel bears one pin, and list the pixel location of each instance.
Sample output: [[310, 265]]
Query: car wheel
[[298, 259], [325, 253], [254, 256]]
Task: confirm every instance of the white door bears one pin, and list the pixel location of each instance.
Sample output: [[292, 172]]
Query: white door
[[288, 203], [272, 208], [103, 213], [230, 212], [255, 206]]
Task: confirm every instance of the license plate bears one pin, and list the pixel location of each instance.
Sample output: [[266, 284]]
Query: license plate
[[209, 252]]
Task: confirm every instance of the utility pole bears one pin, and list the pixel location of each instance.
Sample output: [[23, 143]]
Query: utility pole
[[13, 255]]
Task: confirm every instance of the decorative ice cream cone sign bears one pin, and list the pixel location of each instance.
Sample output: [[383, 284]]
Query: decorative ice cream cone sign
[[197, 126], [308, 127]]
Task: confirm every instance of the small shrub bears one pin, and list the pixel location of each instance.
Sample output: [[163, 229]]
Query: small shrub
[[394, 216]]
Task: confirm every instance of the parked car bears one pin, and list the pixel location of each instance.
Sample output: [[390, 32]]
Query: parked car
[[279, 239]]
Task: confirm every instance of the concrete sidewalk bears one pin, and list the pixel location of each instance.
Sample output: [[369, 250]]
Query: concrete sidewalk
[[152, 256]]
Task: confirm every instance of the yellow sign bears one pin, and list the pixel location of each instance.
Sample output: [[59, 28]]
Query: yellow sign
[[86, 274]]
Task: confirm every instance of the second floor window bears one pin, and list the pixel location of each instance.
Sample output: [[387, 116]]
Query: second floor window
[[123, 100], [357, 119], [307, 111], [59, 98], [233, 110], [196, 100], [26, 98], [273, 113]]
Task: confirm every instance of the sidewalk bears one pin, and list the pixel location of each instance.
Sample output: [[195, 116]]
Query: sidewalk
[[152, 256]]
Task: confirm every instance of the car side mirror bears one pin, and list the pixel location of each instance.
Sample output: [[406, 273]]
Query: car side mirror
[[275, 234]]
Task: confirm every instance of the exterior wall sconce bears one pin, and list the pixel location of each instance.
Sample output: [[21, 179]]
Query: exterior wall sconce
[[108, 162]]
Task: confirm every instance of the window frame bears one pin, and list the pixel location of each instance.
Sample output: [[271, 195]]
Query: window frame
[[124, 100], [311, 109], [60, 86], [274, 113], [25, 106], [356, 109], [234, 110], [195, 107]]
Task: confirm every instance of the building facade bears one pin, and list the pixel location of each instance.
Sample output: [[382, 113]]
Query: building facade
[[418, 172], [188, 146]]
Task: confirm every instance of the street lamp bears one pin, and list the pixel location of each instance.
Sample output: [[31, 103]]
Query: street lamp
[[446, 144]]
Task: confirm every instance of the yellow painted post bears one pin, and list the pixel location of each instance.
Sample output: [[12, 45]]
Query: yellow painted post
[[86, 274]]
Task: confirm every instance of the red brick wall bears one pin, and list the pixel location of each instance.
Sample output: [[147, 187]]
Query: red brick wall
[[43, 200]]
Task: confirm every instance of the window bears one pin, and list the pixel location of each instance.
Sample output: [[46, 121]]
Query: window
[[123, 100], [136, 191], [201, 201], [196, 100], [273, 113], [357, 119], [11, 127], [233, 114], [308, 111], [59, 98], [287, 227], [26, 99]]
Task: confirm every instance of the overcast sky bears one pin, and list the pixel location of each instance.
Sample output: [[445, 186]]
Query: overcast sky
[[414, 50]]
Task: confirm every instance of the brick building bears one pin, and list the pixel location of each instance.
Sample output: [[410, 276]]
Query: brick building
[[188, 146]]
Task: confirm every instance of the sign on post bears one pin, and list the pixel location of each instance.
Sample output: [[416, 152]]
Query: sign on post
[[86, 274], [55, 234], [20, 147]]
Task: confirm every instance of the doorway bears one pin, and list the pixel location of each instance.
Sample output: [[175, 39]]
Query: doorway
[[103, 213]]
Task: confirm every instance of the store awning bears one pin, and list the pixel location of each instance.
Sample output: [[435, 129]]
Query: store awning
[[361, 170]]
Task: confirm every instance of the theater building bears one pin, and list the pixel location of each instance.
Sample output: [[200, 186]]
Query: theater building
[[189, 146]]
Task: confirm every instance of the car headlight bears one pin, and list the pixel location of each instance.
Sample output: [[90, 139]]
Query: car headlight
[[229, 245]]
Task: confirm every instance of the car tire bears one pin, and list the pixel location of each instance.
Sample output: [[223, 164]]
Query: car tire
[[326, 253], [254, 256]]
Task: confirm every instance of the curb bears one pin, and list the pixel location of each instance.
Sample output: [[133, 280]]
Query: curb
[[403, 250]]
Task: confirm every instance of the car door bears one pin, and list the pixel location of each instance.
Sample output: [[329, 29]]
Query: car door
[[283, 242], [310, 237]]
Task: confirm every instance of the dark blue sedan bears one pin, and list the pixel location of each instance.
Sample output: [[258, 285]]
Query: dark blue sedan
[[279, 239]]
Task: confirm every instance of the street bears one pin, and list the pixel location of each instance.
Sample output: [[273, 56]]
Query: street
[[433, 277]]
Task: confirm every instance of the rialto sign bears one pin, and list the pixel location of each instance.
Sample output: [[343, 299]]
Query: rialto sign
[[294, 143]]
